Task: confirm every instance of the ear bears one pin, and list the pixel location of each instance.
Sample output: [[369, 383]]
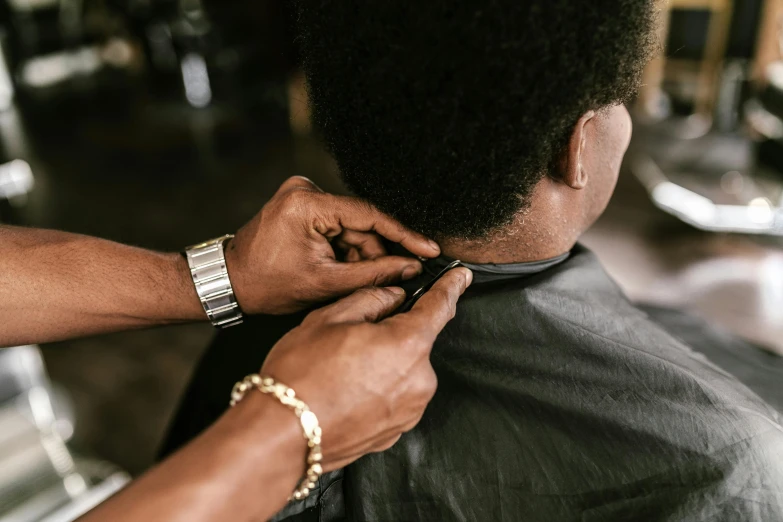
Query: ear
[[574, 174]]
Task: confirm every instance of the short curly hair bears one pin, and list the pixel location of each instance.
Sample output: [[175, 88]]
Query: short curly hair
[[446, 113]]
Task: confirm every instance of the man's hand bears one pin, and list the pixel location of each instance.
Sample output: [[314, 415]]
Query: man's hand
[[284, 259], [368, 379]]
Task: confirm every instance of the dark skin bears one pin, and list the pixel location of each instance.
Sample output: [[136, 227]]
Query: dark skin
[[367, 377]]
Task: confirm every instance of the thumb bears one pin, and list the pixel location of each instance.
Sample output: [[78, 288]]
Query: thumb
[[365, 305]]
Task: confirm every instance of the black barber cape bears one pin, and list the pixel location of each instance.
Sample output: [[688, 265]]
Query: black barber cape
[[558, 400]]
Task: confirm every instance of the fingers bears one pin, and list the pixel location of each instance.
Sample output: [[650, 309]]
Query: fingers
[[360, 245], [364, 305], [353, 255], [341, 213], [382, 271], [436, 307], [354, 214]]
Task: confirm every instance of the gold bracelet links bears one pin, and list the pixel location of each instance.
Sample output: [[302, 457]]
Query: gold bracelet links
[[312, 431]]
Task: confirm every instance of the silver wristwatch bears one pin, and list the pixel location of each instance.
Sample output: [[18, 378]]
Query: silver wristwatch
[[207, 262]]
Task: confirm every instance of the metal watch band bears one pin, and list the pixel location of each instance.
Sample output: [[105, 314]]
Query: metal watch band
[[207, 262]]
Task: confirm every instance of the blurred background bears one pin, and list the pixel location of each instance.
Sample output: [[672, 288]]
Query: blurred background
[[161, 123]]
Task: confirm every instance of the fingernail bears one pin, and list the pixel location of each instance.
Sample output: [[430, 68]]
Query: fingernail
[[434, 246], [468, 276], [395, 290], [411, 271]]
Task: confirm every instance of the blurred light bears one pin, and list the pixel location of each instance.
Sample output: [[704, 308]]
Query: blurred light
[[41, 407], [191, 8], [12, 134], [6, 86], [763, 121], [64, 428], [775, 74], [196, 79], [694, 126], [117, 52], [760, 211], [43, 71], [695, 208], [16, 179], [732, 182], [771, 275], [74, 484], [31, 5]]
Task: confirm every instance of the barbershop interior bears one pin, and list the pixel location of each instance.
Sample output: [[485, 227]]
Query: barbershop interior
[[162, 123]]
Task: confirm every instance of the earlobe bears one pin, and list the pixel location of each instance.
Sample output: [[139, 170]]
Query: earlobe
[[575, 175]]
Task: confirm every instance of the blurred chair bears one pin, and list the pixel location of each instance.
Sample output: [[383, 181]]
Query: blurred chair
[[697, 159], [697, 34], [40, 478]]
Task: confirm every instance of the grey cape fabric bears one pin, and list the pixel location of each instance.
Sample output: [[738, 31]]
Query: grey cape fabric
[[558, 400], [490, 273]]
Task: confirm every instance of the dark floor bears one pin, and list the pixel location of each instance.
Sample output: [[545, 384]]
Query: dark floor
[[163, 176]]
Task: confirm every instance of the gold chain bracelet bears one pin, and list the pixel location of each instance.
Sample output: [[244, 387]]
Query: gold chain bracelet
[[312, 431]]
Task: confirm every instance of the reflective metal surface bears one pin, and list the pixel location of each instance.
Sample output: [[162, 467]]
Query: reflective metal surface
[[40, 478]]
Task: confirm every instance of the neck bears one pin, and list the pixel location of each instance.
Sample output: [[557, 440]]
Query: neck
[[543, 230]]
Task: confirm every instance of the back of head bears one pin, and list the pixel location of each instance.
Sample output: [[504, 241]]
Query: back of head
[[446, 113]]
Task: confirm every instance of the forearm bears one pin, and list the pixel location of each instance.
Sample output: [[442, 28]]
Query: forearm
[[244, 467], [57, 285]]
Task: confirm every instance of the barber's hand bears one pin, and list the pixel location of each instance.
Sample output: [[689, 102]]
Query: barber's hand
[[368, 379], [283, 260]]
